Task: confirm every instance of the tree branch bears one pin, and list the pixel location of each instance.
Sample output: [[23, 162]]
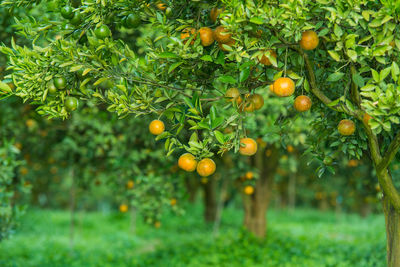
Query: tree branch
[[390, 152]]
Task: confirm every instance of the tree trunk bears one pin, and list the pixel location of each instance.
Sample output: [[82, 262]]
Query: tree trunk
[[292, 191], [256, 205], [210, 200], [392, 218], [72, 208], [192, 186]]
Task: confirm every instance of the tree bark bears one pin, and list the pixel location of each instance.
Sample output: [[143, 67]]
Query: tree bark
[[192, 186], [256, 205], [392, 218], [210, 200]]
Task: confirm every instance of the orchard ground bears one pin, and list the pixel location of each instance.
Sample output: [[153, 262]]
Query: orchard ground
[[295, 238]]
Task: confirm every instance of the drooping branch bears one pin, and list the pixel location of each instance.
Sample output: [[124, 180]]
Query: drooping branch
[[390, 152]]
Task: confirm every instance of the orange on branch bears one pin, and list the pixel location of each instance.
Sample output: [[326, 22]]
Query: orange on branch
[[248, 190], [265, 60], [130, 184], [257, 100], [302, 103], [187, 162], [206, 167], [123, 208], [186, 34], [249, 175], [206, 36], [346, 127], [222, 35], [309, 40], [248, 146], [284, 87], [366, 118], [156, 127], [173, 201]]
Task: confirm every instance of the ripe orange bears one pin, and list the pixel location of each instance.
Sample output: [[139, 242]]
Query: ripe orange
[[230, 44], [248, 106], [206, 167], [352, 163], [187, 162], [130, 184], [214, 14], [30, 123], [248, 190], [290, 148], [123, 208], [157, 224], [284, 87], [302, 103], [206, 36], [187, 33], [156, 127], [309, 40], [173, 201], [23, 171], [248, 146], [222, 35], [249, 175], [271, 88], [257, 100], [265, 60], [366, 118], [233, 94], [346, 127]]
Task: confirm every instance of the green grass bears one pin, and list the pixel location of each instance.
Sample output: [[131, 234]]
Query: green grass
[[298, 238]]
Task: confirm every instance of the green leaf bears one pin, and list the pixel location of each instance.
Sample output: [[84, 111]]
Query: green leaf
[[384, 73], [334, 55], [167, 55], [244, 74], [357, 79], [352, 54], [395, 70], [174, 66], [207, 58], [227, 79], [220, 137], [336, 76], [5, 88], [257, 20]]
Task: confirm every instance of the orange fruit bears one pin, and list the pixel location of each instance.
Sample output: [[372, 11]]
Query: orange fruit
[[248, 106], [123, 208], [214, 14], [206, 36], [366, 118], [352, 163], [248, 146], [173, 201], [23, 171], [302, 103], [249, 175], [309, 40], [187, 33], [346, 127], [233, 94], [156, 127], [130, 184], [284, 87], [187, 162], [157, 224], [265, 60], [30, 123], [248, 190], [290, 148], [222, 35], [230, 44], [206, 167], [257, 100]]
